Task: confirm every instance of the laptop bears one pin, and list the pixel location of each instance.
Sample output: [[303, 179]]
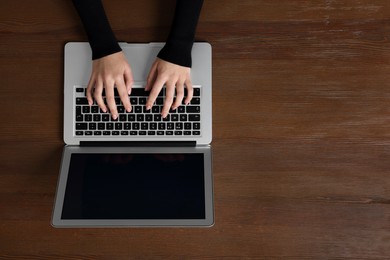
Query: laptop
[[139, 170]]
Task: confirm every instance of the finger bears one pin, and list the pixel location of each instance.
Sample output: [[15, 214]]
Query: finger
[[170, 92], [90, 86], [98, 95], [128, 80], [179, 95], [190, 91], [157, 86], [110, 99], [151, 77], [121, 87]]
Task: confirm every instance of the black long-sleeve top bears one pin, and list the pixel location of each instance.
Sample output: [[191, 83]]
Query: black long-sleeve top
[[178, 46]]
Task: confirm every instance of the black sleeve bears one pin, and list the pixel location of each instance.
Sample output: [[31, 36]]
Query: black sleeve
[[179, 43], [178, 47], [99, 32]]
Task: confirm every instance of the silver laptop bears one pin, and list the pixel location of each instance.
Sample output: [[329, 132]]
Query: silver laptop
[[140, 169]]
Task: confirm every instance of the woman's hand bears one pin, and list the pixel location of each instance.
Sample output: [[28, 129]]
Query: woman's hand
[[107, 72], [173, 77]]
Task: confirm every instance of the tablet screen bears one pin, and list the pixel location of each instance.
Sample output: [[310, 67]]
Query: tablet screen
[[135, 186]]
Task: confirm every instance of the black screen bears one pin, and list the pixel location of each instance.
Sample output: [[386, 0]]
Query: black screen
[[135, 186]]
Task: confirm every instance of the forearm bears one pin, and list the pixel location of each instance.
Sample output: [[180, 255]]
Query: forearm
[[97, 27], [178, 47]]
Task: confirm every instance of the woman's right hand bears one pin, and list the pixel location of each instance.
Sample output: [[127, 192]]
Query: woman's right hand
[[107, 72]]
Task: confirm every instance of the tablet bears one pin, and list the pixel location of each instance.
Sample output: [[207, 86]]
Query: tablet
[[134, 186]]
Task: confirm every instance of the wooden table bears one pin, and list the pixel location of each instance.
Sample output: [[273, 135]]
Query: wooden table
[[301, 130]]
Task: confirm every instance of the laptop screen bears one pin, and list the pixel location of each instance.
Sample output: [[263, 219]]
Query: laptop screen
[[135, 186]]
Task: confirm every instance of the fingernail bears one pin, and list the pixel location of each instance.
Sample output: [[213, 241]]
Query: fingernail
[[128, 109], [148, 107], [114, 117]]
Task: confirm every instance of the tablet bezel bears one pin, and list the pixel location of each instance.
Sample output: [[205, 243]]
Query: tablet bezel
[[63, 177]]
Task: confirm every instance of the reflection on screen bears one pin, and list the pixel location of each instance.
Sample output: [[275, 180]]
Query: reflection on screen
[[135, 186]]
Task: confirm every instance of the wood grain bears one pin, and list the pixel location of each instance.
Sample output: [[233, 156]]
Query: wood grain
[[301, 141]]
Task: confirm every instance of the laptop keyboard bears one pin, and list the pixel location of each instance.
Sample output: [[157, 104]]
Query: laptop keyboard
[[92, 121]]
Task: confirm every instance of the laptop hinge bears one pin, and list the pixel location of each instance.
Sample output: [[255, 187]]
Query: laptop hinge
[[138, 143]]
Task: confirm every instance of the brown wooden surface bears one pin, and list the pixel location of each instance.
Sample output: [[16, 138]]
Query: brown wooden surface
[[301, 139]]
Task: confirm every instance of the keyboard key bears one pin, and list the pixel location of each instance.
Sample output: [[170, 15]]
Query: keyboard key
[[109, 126], [106, 133], [134, 101], [178, 126], [92, 126], [187, 126], [159, 101], [161, 126], [174, 118], [86, 109], [144, 126], [142, 101], [133, 133], [137, 109], [142, 132], [78, 110], [196, 126], [145, 111], [131, 117], [151, 132], [170, 126], [156, 109], [178, 133], [157, 118], [81, 101], [123, 117], [169, 132], [81, 126], [88, 117], [118, 126], [79, 90], [194, 117], [139, 92], [115, 132], [105, 117], [135, 126], [127, 126], [196, 92], [193, 109], [140, 118], [196, 132], [160, 132], [79, 118], [195, 101], [124, 132], [153, 126], [101, 126], [79, 133], [183, 117], [88, 133], [120, 109], [97, 133], [96, 117], [149, 117], [181, 109], [187, 132], [94, 109]]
